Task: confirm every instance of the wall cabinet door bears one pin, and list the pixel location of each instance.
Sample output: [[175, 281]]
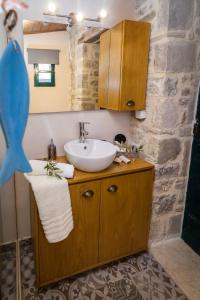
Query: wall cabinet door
[[104, 61], [80, 250], [135, 58], [124, 215], [124, 51], [114, 81]]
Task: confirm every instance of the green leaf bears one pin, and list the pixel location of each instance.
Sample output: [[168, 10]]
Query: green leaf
[[53, 170]]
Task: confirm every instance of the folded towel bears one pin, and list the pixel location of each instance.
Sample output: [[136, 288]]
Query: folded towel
[[66, 170], [54, 204]]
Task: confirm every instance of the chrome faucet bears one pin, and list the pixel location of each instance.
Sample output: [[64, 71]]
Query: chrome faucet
[[83, 132]]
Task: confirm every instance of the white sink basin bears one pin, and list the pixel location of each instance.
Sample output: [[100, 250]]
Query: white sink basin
[[91, 156]]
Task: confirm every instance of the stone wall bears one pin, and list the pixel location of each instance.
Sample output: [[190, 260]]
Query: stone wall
[[84, 71], [173, 81]]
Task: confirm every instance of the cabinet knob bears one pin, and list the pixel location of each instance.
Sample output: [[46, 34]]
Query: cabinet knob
[[130, 103], [112, 188], [88, 194]]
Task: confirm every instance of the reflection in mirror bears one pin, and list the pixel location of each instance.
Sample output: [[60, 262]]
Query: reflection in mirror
[[63, 64]]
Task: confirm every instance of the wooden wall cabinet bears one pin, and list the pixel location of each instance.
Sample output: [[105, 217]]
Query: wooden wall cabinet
[[123, 66], [110, 222]]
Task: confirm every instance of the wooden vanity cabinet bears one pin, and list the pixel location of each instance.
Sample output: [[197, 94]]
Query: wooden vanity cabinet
[[111, 212], [124, 215], [80, 250], [123, 66]]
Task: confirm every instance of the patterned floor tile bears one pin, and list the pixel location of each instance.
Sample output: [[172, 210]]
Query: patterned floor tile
[[8, 271], [139, 277]]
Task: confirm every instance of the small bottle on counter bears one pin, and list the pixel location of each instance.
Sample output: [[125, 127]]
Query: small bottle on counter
[[51, 151]]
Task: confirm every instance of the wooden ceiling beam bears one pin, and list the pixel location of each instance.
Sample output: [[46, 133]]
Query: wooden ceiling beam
[[34, 27]]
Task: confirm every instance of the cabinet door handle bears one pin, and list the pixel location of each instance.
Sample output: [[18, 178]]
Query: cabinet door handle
[[112, 188], [88, 194], [130, 103]]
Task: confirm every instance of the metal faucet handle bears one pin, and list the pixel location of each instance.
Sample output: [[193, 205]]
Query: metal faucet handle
[[83, 123], [83, 132]]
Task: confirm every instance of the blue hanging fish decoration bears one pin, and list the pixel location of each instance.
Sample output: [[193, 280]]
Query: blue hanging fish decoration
[[14, 109]]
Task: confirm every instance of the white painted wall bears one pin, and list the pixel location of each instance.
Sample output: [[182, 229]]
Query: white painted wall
[[64, 126]]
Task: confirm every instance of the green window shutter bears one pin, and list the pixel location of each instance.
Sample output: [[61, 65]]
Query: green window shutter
[[44, 75]]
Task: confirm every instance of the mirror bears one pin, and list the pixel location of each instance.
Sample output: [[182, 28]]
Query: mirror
[[63, 65]]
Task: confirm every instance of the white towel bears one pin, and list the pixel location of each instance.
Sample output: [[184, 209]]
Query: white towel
[[54, 205], [67, 170]]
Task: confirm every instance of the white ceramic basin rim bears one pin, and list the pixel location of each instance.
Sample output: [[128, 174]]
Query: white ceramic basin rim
[[92, 156]]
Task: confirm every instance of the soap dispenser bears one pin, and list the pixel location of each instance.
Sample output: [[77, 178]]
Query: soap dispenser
[[51, 151]]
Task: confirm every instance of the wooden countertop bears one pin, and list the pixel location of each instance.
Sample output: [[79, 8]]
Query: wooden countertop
[[114, 170]]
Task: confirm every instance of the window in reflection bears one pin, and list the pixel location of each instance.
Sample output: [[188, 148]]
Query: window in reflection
[[44, 75]]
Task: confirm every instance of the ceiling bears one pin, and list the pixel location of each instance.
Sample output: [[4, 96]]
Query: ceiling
[[117, 9]]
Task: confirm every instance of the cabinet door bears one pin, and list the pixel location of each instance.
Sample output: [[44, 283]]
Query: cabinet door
[[135, 65], [116, 41], [104, 61], [79, 250], [124, 215]]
